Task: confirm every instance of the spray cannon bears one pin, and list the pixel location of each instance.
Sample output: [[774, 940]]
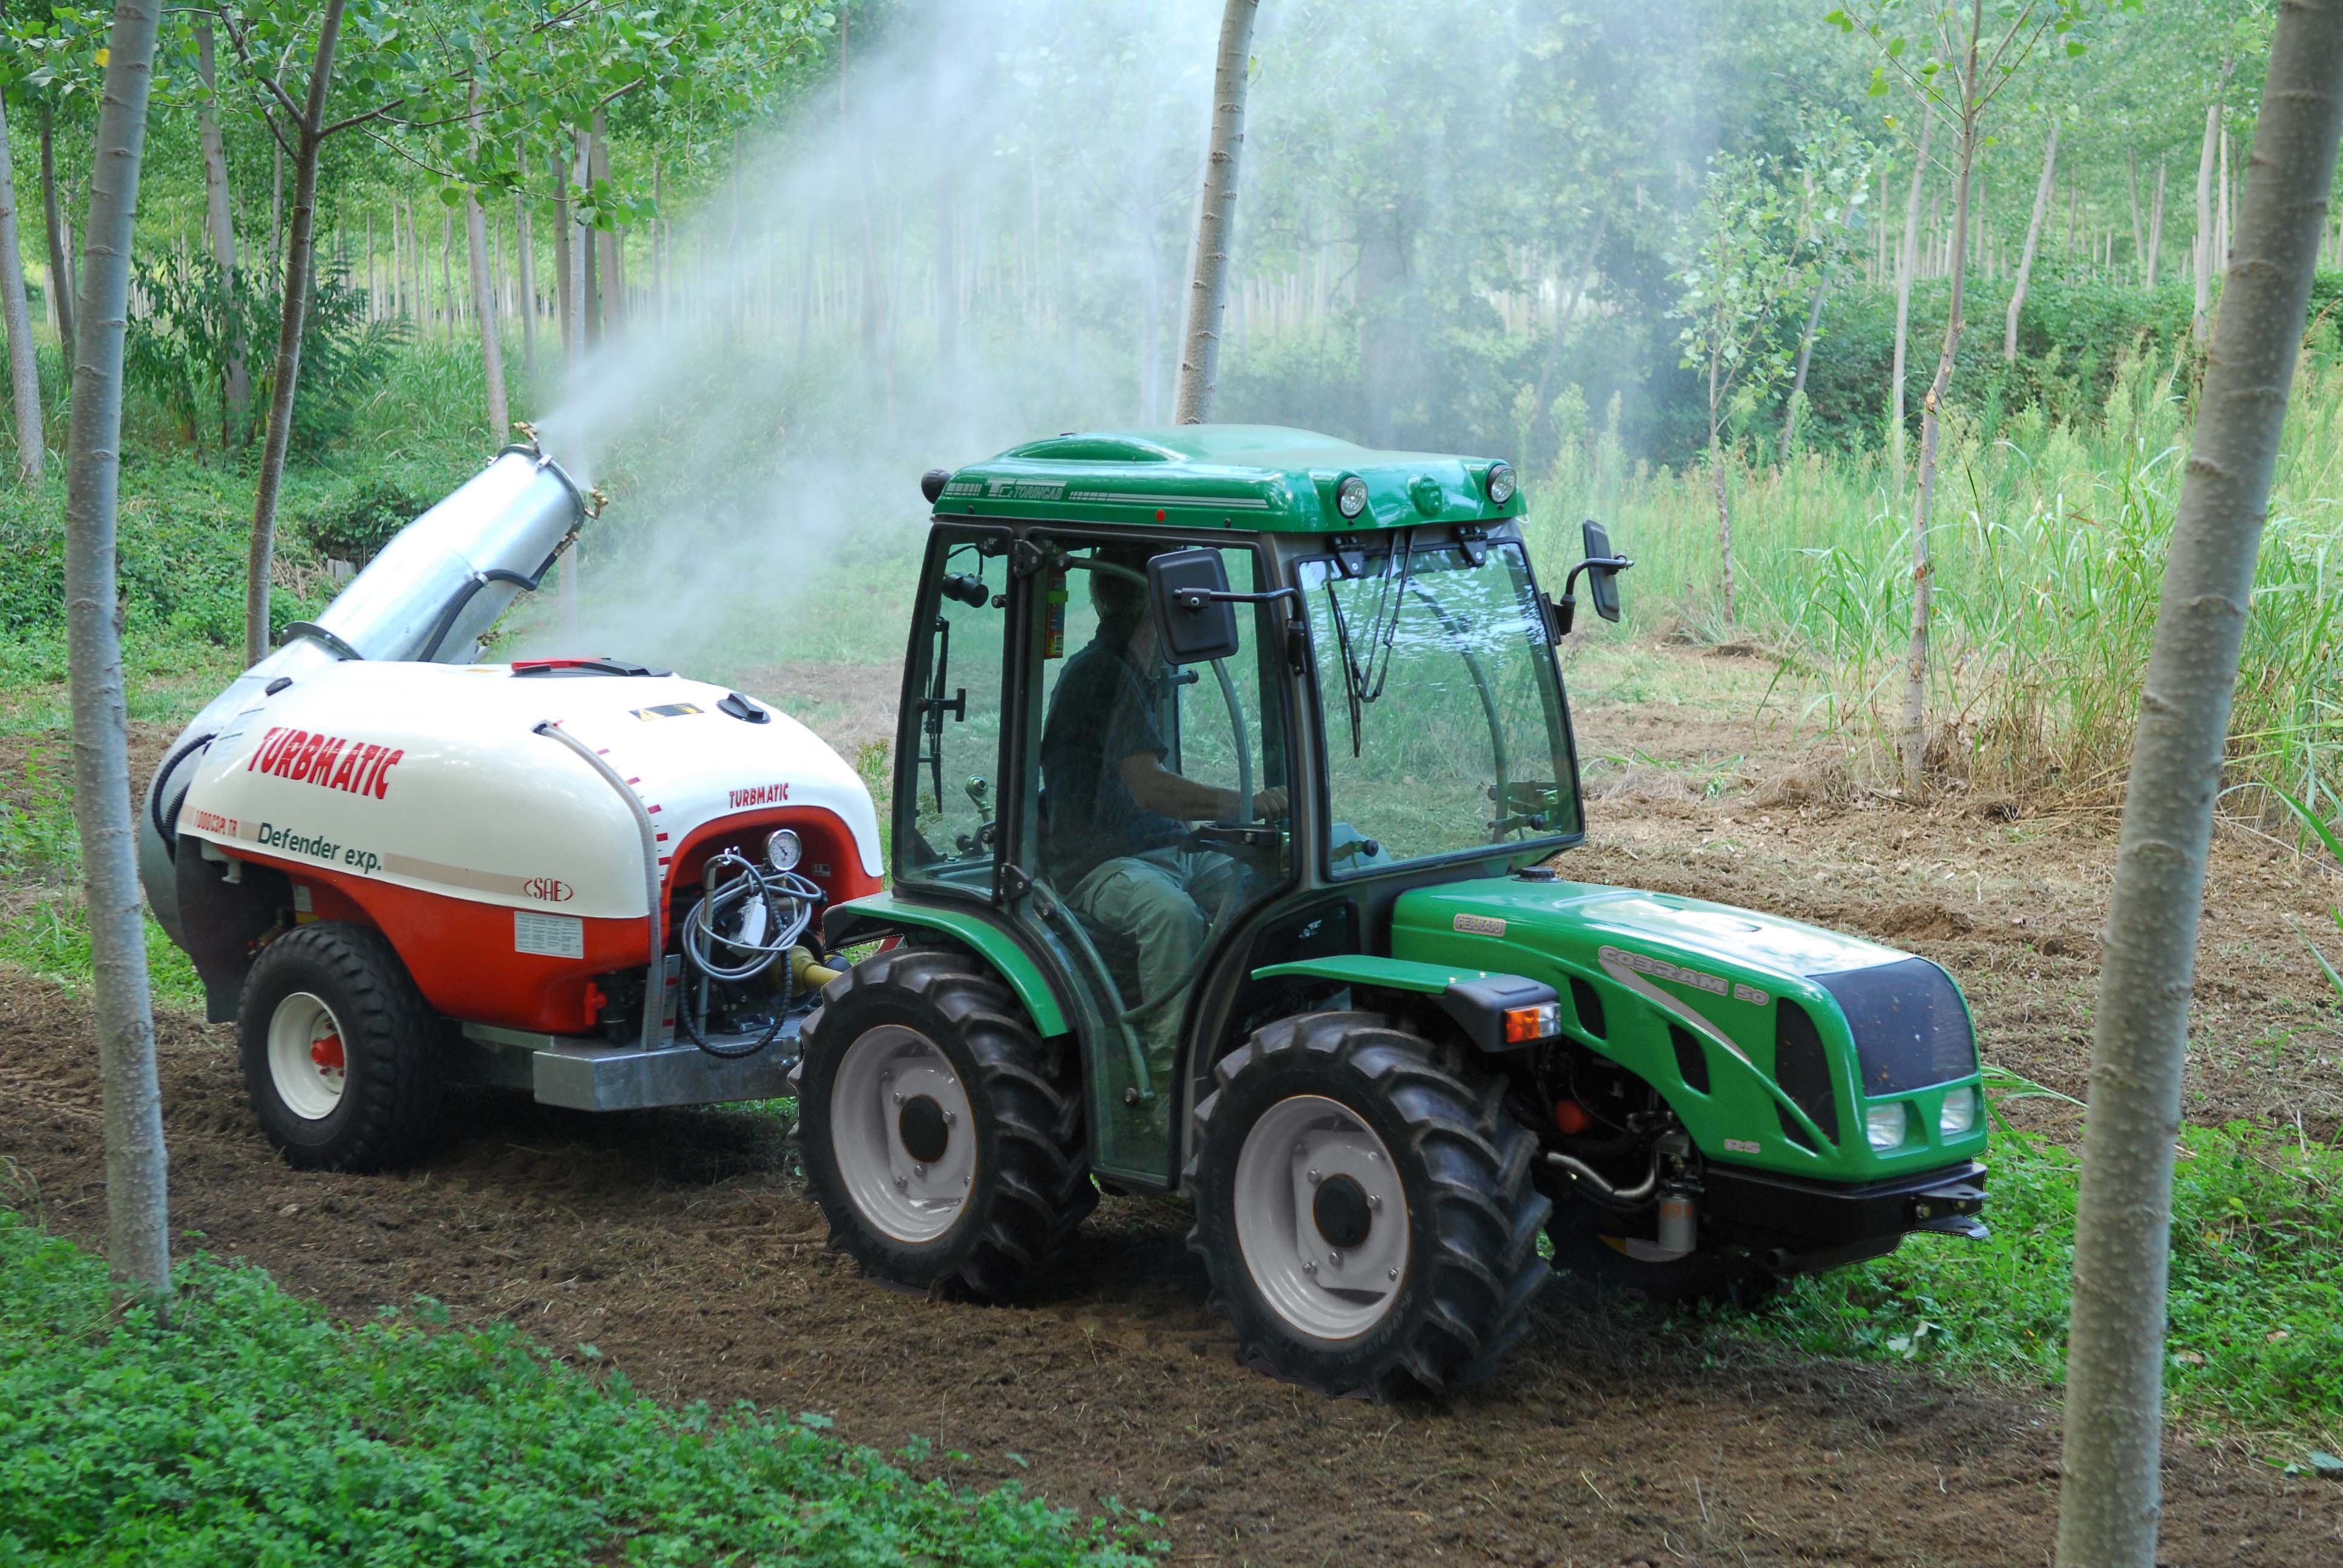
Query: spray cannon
[[429, 594], [601, 880]]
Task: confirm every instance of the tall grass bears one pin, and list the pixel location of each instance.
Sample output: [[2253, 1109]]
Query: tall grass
[[2048, 544]]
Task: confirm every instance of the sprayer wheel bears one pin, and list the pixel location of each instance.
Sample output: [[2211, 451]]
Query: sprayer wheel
[[942, 1138], [1364, 1208], [339, 1050], [1589, 1256]]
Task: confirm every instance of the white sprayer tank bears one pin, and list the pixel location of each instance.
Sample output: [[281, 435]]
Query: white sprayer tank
[[438, 803]]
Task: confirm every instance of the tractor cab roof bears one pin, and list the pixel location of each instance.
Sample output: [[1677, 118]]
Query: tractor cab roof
[[1250, 476]]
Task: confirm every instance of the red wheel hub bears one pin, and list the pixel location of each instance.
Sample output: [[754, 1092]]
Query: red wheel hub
[[327, 1052]]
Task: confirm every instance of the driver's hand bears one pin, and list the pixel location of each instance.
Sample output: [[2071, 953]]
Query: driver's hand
[[1268, 804]]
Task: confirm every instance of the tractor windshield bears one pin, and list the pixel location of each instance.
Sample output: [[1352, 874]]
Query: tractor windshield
[[1444, 723]]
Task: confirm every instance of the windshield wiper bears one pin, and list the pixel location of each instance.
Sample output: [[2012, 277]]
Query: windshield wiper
[[1363, 685]]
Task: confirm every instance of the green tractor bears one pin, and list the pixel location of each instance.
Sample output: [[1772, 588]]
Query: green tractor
[[1231, 764]]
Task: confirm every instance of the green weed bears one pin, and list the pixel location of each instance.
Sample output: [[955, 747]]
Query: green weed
[[256, 1430], [2256, 1342]]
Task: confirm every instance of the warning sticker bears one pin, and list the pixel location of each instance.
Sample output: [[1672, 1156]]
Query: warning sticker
[[666, 710], [548, 936]]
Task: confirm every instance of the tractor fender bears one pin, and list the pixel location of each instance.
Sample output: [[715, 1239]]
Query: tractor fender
[[860, 919]]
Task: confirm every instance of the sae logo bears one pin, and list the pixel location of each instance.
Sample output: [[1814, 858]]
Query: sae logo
[[547, 889]]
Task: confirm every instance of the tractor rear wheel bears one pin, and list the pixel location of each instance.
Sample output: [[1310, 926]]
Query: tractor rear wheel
[[1364, 1208], [943, 1141], [340, 1051], [1589, 1256]]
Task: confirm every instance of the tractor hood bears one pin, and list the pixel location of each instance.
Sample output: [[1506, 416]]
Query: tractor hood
[[1771, 1037]]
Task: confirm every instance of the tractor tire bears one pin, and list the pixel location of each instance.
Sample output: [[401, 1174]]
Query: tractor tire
[[943, 1141], [340, 1053], [1606, 1265], [1322, 1131]]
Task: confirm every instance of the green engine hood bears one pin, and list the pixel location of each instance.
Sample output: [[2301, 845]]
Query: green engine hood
[[1704, 1000]]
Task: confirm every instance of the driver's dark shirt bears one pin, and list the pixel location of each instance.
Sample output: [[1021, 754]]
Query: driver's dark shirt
[[1102, 713]]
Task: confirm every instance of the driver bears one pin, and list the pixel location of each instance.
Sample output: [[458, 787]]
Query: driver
[[1118, 815]]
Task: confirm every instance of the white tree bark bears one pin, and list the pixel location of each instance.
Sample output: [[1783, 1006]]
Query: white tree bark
[[1915, 666], [524, 261], [2033, 243], [300, 250], [1907, 261], [1199, 356], [2156, 225], [2109, 1504], [484, 309], [138, 1233], [24, 367], [2205, 237]]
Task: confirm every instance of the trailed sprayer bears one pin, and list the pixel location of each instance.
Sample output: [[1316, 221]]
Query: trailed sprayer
[[1234, 774]]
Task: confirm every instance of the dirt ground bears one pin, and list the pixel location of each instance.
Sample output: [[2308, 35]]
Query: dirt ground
[[682, 1245]]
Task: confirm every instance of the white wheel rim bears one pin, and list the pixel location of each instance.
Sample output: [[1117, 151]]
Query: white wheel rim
[[910, 1178], [307, 1056], [1293, 1152]]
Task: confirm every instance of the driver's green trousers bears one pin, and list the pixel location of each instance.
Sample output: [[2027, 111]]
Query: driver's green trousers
[[1165, 902]]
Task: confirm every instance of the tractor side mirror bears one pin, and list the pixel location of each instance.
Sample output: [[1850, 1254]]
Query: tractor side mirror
[[1195, 614], [1602, 569]]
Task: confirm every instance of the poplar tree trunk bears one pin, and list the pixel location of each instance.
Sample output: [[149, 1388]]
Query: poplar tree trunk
[[300, 245], [138, 1233], [2109, 1504], [1907, 260], [2156, 225], [1798, 378], [219, 223], [276, 202], [561, 227], [63, 284], [525, 260], [450, 313], [611, 297], [2202, 324], [581, 242], [24, 367], [2033, 243], [1200, 356], [484, 310], [1716, 470], [1915, 667], [2138, 237]]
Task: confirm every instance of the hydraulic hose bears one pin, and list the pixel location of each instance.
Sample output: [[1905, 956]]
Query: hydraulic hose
[[1599, 1188], [168, 830]]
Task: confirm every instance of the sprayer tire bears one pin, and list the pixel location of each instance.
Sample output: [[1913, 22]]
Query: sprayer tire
[[387, 1110], [1473, 1213], [1029, 1179], [1592, 1261]]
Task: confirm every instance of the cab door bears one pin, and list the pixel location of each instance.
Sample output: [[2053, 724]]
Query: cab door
[[1131, 892], [946, 827]]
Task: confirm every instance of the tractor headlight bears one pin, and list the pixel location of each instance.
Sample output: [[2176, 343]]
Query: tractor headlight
[[1502, 484], [1350, 497], [1959, 1116], [1884, 1125], [782, 850]]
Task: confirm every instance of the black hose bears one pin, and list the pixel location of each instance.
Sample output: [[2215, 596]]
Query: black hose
[[168, 831]]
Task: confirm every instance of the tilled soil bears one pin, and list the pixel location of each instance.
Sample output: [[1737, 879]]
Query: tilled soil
[[682, 1245]]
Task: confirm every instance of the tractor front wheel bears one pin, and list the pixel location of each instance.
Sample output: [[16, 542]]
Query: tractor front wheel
[[340, 1049], [942, 1140], [1364, 1208]]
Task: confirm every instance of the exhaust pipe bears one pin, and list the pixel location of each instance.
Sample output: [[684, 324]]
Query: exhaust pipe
[[428, 597]]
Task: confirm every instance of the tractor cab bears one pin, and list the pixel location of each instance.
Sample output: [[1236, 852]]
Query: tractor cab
[[1184, 705], [1229, 765]]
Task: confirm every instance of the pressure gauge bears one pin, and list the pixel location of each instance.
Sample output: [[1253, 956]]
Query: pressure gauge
[[782, 850]]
